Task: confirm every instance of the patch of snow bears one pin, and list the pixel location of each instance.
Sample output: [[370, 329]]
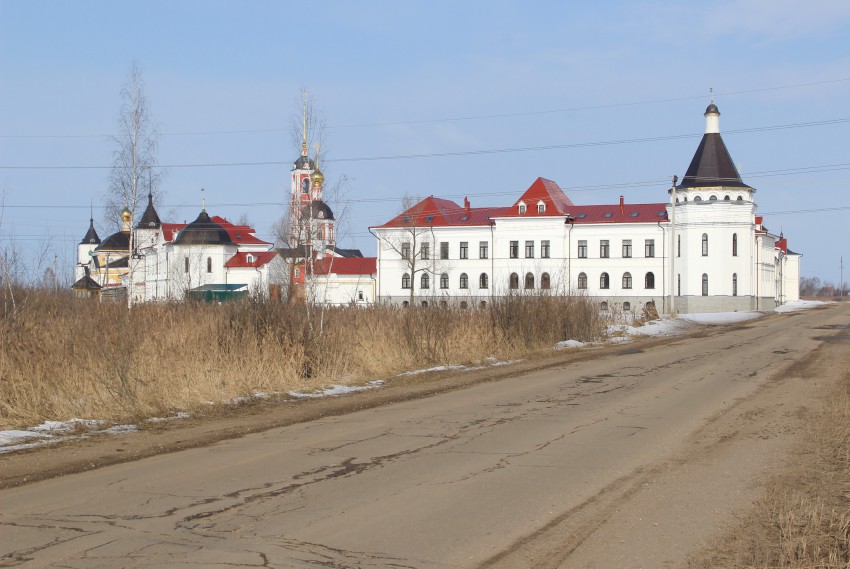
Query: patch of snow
[[179, 415], [721, 318], [336, 390], [800, 305], [569, 344], [52, 432]]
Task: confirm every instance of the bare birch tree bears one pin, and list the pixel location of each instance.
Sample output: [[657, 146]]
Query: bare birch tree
[[134, 170]]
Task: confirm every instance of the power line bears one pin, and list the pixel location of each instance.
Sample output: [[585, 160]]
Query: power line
[[827, 122], [454, 119]]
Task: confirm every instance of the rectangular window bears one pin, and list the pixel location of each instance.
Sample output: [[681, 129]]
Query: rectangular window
[[544, 249], [425, 250], [649, 248], [582, 249], [514, 252], [529, 249], [464, 250], [604, 249], [483, 249], [627, 248], [405, 250], [444, 250]]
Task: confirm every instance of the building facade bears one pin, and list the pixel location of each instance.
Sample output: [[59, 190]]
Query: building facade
[[702, 250]]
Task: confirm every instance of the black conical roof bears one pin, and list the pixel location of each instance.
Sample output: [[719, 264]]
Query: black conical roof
[[150, 219], [203, 231], [712, 166], [91, 237]]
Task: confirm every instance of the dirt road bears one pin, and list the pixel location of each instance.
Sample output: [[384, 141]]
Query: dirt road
[[630, 460]]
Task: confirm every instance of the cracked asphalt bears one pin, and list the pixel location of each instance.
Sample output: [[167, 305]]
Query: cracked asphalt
[[630, 460]]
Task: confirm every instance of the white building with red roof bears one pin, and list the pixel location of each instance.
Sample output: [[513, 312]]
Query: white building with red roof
[[207, 258], [704, 250]]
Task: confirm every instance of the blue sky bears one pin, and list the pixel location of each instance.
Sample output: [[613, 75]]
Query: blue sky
[[396, 79]]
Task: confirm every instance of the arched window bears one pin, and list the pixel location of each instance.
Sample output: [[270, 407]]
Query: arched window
[[444, 280], [734, 284], [740, 199], [521, 208], [604, 306], [604, 281], [704, 284], [649, 280], [514, 281], [541, 207], [712, 199], [464, 281], [544, 281], [464, 304], [627, 306], [305, 185], [209, 264], [705, 244], [425, 281], [186, 264], [405, 304], [698, 199], [529, 281], [734, 244], [483, 282], [424, 304], [405, 280], [482, 305], [582, 281], [627, 280], [726, 198]]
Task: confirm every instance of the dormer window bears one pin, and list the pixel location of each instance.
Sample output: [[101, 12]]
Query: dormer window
[[249, 258], [522, 208], [541, 207]]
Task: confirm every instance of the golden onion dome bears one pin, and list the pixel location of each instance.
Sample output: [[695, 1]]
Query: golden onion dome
[[317, 178], [126, 215]]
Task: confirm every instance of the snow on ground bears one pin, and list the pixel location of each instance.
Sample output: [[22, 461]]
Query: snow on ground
[[800, 305], [52, 432]]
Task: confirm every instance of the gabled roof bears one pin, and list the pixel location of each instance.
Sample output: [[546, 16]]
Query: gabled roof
[[437, 212], [150, 219], [542, 190], [346, 266], [91, 237], [258, 259]]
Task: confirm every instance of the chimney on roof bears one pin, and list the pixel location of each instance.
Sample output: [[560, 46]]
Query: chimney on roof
[[622, 205], [466, 206]]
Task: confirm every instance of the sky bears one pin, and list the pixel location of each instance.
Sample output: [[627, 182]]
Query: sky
[[450, 99]]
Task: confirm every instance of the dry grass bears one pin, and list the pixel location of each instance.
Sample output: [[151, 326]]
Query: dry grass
[[61, 358], [803, 521]]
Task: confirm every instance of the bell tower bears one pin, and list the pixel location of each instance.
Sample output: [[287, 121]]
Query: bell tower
[[301, 186]]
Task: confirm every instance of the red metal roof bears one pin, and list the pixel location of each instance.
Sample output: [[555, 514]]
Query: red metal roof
[[542, 190], [346, 266], [239, 234], [615, 213], [258, 259], [436, 212]]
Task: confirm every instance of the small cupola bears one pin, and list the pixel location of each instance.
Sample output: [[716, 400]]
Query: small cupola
[[712, 119]]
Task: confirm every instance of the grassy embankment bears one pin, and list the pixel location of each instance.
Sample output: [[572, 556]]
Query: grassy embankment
[[61, 358]]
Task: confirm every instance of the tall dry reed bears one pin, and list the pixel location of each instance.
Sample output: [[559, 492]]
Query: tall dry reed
[[62, 358]]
